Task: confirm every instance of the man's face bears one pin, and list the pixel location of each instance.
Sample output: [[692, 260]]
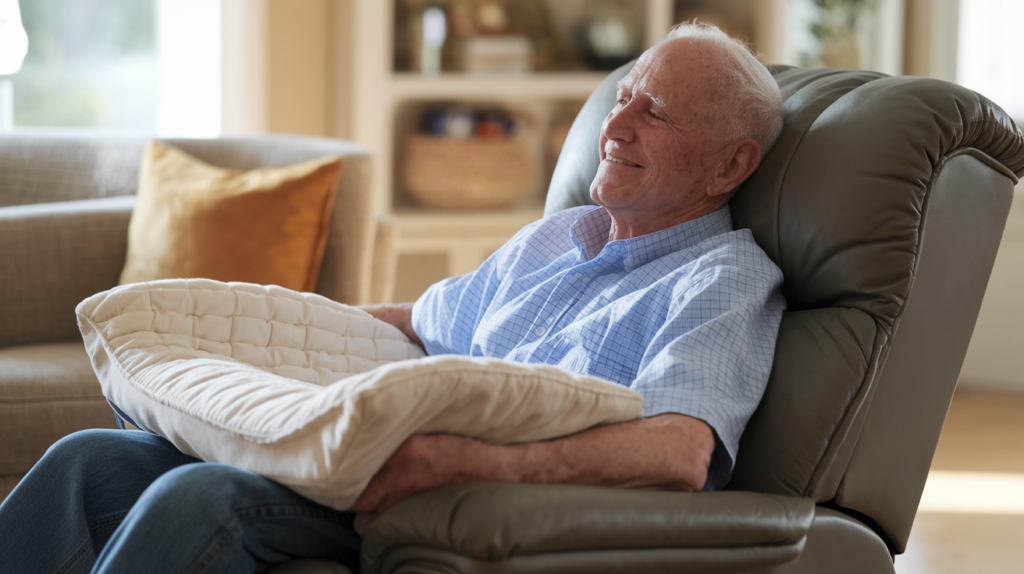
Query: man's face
[[656, 150]]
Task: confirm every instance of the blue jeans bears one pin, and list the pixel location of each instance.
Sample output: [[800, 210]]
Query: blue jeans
[[127, 501]]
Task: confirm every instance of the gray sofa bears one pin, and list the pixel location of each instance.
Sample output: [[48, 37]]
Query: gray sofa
[[65, 203]]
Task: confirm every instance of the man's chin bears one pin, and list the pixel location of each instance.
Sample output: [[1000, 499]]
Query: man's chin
[[596, 196], [609, 196]]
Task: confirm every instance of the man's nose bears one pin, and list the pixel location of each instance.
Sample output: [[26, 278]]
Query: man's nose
[[620, 124]]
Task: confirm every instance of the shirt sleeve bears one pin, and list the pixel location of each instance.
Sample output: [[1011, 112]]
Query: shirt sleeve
[[712, 357]]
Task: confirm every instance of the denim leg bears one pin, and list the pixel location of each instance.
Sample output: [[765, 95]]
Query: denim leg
[[71, 502], [217, 518]]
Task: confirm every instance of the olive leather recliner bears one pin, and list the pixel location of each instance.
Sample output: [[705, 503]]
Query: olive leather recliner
[[883, 202]]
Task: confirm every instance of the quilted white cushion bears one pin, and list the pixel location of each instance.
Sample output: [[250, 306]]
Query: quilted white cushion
[[311, 393]]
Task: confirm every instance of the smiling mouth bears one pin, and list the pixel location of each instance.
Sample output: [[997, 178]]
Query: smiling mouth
[[626, 162]]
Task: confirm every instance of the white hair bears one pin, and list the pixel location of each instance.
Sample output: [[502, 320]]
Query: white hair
[[753, 106]]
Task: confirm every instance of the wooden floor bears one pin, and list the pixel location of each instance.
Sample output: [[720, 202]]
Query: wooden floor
[[983, 433]]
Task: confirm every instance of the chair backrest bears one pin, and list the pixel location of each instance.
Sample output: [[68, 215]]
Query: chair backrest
[[883, 203], [53, 167]]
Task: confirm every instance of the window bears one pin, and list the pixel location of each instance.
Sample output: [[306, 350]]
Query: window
[[89, 64], [190, 62], [142, 66]]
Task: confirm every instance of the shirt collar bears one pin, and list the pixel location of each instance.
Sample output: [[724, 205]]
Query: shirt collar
[[590, 234]]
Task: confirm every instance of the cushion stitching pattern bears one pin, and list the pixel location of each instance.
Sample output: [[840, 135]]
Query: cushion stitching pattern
[[157, 309]]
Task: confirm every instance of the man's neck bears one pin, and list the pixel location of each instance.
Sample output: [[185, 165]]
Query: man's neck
[[630, 225]]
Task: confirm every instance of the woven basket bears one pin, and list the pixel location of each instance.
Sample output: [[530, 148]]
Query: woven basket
[[467, 173]]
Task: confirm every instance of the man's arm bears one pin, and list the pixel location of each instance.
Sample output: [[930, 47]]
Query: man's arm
[[669, 452], [397, 314]]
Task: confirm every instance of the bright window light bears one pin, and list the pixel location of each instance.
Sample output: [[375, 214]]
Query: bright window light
[[190, 60], [13, 41], [89, 65], [142, 67], [973, 493], [988, 52]]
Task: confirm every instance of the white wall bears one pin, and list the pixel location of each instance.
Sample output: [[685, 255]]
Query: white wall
[[243, 104], [995, 359], [986, 55]]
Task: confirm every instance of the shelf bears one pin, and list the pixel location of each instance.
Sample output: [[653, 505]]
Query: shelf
[[417, 221], [434, 244], [541, 85]]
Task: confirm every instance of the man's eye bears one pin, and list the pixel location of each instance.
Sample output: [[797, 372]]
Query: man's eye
[[653, 114]]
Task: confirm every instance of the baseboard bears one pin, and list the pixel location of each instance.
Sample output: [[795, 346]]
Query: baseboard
[[1014, 386]]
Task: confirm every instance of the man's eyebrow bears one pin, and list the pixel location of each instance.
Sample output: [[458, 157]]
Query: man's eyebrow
[[657, 101], [619, 86]]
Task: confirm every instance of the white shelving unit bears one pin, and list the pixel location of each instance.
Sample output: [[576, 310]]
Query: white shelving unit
[[543, 85], [436, 244]]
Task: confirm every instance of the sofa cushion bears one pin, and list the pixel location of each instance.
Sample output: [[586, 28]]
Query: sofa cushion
[[311, 393], [55, 255], [46, 391], [265, 226]]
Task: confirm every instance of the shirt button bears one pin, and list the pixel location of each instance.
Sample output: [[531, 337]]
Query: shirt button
[[540, 331]]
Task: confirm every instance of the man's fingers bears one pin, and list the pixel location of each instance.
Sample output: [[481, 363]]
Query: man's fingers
[[369, 500], [422, 462], [374, 502], [363, 504], [375, 495], [361, 523]]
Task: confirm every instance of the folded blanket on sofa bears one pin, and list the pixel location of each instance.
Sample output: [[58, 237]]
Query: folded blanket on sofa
[[311, 393]]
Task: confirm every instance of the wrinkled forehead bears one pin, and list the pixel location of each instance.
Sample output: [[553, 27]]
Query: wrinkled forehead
[[673, 72]]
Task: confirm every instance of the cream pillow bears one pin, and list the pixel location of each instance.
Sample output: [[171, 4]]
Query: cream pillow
[[311, 393], [265, 226]]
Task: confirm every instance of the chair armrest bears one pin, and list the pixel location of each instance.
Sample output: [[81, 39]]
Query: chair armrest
[[385, 261], [54, 255], [496, 522]]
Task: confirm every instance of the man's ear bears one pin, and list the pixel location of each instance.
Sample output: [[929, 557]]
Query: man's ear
[[737, 165]]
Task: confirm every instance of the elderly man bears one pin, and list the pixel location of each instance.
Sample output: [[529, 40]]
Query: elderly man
[[651, 289]]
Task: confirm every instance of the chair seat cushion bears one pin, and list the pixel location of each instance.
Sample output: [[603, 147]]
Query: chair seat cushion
[[311, 393], [46, 391]]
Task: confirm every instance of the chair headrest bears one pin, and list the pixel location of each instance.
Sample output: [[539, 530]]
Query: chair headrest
[[845, 181]]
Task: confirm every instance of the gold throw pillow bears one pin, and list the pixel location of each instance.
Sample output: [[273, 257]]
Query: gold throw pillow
[[266, 226]]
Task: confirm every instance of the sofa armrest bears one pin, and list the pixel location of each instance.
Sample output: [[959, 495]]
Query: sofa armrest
[[576, 527], [54, 255]]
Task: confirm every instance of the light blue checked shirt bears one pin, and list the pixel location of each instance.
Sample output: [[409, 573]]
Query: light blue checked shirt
[[687, 316]]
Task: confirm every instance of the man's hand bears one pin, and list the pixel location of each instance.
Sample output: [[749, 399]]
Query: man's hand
[[669, 452], [425, 462], [397, 314]]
